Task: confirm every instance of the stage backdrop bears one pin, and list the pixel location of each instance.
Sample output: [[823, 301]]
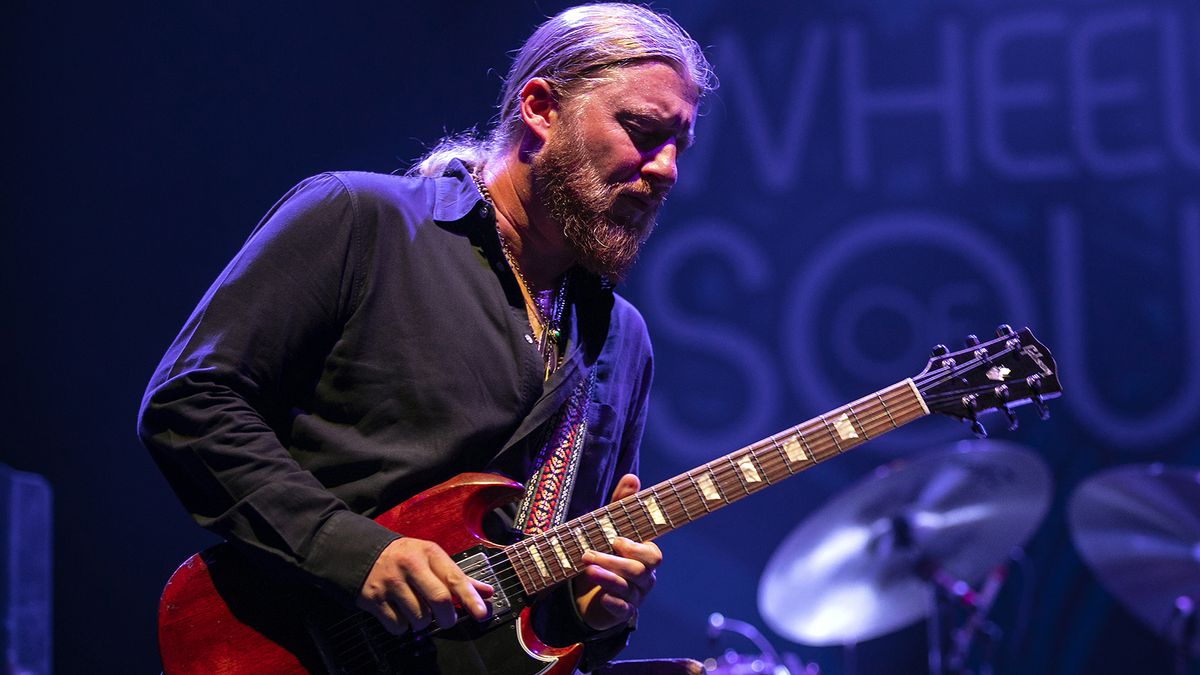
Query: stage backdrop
[[872, 178]]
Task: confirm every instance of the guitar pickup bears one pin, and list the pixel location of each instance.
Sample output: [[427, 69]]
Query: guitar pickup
[[478, 566]]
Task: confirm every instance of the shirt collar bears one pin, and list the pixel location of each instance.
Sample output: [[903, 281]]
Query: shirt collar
[[457, 196]]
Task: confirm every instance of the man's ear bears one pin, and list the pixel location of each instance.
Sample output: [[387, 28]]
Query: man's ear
[[539, 110]]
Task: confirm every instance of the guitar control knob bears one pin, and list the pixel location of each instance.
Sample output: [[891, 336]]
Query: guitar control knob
[[939, 350], [972, 340], [1004, 329]]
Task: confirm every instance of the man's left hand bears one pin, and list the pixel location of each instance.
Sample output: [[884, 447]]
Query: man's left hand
[[612, 587]]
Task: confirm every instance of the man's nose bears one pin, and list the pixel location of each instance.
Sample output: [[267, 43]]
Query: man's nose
[[660, 169]]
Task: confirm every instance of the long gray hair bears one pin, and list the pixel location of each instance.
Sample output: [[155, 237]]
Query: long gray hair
[[574, 51]]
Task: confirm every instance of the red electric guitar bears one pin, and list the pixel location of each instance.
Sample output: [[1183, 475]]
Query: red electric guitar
[[219, 615]]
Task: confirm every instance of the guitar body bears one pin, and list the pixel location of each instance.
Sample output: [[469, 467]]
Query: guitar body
[[220, 615]]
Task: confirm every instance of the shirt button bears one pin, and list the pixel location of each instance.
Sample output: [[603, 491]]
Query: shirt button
[[484, 211], [529, 338]]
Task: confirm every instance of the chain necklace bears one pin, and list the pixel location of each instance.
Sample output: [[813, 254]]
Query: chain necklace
[[549, 322]]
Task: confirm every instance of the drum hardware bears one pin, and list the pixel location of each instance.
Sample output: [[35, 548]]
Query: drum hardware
[[958, 624], [1138, 528], [905, 544], [768, 661]]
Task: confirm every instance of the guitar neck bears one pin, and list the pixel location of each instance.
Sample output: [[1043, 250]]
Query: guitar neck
[[547, 559]]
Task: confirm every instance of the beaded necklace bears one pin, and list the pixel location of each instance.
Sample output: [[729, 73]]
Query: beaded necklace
[[547, 311]]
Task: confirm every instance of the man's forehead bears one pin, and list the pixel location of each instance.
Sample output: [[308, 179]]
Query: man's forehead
[[653, 90]]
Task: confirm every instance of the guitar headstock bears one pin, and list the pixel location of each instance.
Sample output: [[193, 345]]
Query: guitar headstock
[[1011, 370]]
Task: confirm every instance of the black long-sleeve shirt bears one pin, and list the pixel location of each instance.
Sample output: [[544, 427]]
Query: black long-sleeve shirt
[[368, 342]]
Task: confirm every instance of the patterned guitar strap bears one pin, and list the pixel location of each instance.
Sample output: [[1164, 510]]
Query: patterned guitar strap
[[548, 491]]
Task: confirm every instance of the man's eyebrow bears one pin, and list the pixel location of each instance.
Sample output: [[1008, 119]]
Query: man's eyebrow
[[654, 118], [684, 137]]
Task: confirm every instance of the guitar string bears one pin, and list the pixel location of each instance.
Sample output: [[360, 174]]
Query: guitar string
[[760, 454], [759, 448], [521, 562], [824, 450], [571, 543], [933, 377], [722, 472], [823, 446]]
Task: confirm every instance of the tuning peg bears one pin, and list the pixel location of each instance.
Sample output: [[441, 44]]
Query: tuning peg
[[978, 430], [1004, 329], [972, 340], [1039, 404], [939, 350], [972, 406], [1011, 414], [1034, 382]]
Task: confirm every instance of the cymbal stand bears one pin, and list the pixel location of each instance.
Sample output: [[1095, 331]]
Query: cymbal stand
[[1184, 613], [950, 592]]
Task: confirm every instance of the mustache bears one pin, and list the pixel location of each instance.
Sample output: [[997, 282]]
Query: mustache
[[641, 191]]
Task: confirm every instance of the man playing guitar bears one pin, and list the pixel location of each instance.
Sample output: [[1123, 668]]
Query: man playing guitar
[[378, 335]]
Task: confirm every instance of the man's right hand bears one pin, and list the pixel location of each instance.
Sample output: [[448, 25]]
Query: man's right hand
[[414, 582]]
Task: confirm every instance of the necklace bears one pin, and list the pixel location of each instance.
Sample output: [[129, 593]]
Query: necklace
[[549, 316]]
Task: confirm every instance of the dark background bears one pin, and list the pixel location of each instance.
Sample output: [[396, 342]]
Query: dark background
[[799, 265]]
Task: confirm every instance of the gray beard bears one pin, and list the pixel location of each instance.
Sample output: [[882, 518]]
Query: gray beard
[[581, 202]]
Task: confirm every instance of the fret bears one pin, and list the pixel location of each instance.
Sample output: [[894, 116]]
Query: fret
[[518, 565], [632, 525], [703, 501], [557, 547], [737, 473], [547, 550], [607, 528], [887, 412], [656, 513], [829, 430], [787, 462], [595, 529], [710, 488], [804, 444], [678, 497], [752, 456], [536, 556], [750, 471], [653, 518], [581, 539], [861, 428]]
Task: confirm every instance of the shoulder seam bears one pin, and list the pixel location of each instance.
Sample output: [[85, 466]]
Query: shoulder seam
[[357, 243]]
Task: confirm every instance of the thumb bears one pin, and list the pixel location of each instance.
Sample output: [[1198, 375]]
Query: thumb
[[628, 485]]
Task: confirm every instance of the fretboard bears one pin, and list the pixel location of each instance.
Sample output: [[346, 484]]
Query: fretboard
[[549, 558]]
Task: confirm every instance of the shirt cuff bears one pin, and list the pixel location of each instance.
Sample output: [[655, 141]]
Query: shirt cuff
[[344, 550]]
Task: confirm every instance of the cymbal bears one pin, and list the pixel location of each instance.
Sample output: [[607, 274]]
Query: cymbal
[[848, 573], [1138, 528]]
